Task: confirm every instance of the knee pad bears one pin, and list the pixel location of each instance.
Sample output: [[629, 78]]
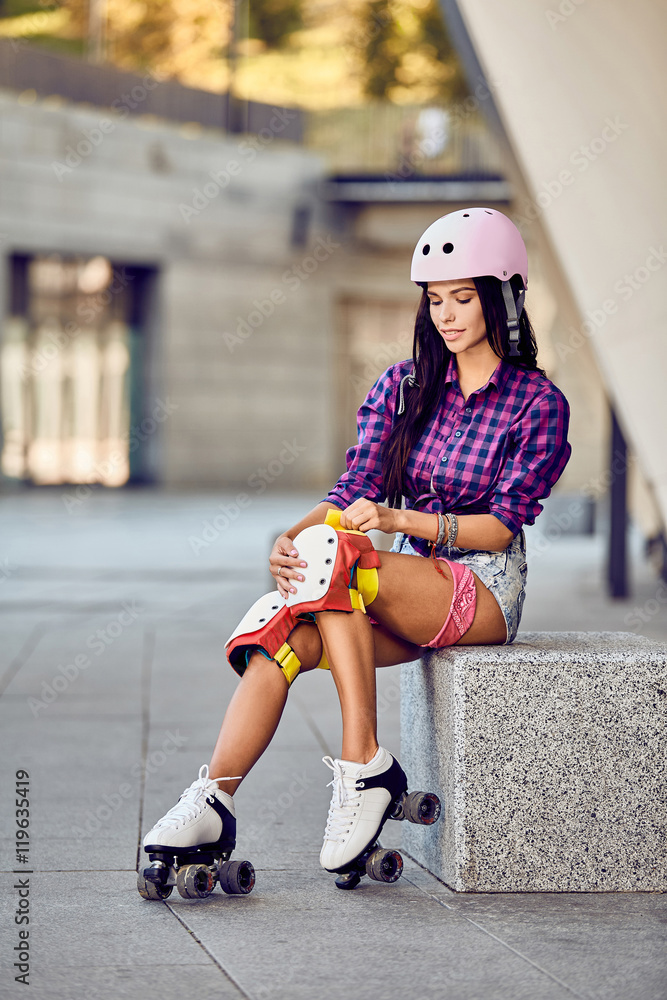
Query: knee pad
[[265, 627], [333, 555]]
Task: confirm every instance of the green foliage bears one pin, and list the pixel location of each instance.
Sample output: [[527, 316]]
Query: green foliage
[[273, 21], [405, 46]]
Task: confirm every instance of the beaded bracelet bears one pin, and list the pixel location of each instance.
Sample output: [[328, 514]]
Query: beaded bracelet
[[453, 529]]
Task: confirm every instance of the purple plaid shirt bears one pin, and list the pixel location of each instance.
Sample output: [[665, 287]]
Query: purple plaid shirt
[[498, 452]]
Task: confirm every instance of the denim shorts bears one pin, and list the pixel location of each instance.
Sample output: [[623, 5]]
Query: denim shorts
[[503, 573]]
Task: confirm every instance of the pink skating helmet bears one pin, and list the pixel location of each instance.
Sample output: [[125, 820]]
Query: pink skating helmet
[[472, 243]]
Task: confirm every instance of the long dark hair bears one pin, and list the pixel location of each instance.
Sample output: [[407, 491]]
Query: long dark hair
[[430, 356]]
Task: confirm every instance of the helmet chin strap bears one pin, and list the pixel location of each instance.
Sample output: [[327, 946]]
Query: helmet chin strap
[[514, 309]]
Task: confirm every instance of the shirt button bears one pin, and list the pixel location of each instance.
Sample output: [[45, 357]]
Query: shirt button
[[468, 409], [458, 434], [444, 459]]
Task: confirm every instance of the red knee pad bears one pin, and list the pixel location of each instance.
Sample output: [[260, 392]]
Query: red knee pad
[[267, 624], [332, 556]]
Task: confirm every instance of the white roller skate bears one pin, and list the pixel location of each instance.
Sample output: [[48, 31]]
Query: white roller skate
[[191, 845], [364, 797]]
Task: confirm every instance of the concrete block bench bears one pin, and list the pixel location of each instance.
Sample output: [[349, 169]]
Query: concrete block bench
[[549, 757]]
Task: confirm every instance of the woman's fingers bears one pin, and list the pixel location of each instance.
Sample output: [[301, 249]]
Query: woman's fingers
[[287, 576], [360, 515], [285, 565]]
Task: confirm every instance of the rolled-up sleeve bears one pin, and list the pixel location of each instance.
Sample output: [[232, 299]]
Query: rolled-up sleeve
[[539, 451], [363, 477]]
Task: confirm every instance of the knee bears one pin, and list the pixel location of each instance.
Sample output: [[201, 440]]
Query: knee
[[306, 642], [260, 667]]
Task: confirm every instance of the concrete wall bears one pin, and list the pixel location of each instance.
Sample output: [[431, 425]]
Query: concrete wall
[[263, 338], [87, 181]]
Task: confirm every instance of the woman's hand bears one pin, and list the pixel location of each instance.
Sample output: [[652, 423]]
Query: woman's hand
[[364, 515], [285, 564]]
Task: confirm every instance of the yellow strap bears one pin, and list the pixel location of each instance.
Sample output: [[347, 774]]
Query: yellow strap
[[324, 663], [368, 584], [367, 579], [356, 600], [288, 661], [333, 520]]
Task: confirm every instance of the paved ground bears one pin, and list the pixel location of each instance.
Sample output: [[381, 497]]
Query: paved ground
[[115, 611]]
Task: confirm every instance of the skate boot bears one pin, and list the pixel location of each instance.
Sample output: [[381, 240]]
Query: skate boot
[[191, 845], [364, 797]]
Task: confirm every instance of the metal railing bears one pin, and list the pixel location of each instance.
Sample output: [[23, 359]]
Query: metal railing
[[24, 67], [401, 142]]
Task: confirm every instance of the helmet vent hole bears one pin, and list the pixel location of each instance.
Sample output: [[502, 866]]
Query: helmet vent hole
[[426, 249], [487, 211], [448, 247], [466, 215]]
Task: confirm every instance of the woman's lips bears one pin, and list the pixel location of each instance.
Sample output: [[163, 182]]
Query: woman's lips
[[451, 334]]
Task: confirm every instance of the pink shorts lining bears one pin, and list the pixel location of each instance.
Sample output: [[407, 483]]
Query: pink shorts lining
[[462, 611]]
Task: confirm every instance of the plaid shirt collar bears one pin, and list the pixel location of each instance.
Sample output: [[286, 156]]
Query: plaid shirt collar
[[497, 379]]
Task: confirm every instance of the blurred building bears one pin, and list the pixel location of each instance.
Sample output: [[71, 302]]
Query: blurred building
[[192, 306], [188, 306]]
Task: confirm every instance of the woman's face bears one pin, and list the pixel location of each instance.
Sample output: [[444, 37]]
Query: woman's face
[[457, 315]]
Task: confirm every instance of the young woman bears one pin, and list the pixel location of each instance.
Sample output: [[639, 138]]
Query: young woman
[[462, 441]]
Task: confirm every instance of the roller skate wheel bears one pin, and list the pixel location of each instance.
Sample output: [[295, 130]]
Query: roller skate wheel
[[195, 881], [384, 866], [237, 878], [152, 890], [421, 807]]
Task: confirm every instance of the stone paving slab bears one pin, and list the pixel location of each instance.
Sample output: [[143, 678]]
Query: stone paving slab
[[90, 936], [608, 946], [296, 934], [375, 941]]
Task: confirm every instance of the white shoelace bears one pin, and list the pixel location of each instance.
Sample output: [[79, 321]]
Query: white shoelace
[[344, 802], [193, 800]]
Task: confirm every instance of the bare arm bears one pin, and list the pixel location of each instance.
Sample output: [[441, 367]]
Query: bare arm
[[316, 516], [476, 531]]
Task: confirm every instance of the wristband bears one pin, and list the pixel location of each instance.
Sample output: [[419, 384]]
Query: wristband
[[453, 529]]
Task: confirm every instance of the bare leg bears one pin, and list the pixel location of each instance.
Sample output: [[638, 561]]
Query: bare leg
[[411, 607], [348, 642], [250, 721], [255, 709], [257, 705]]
